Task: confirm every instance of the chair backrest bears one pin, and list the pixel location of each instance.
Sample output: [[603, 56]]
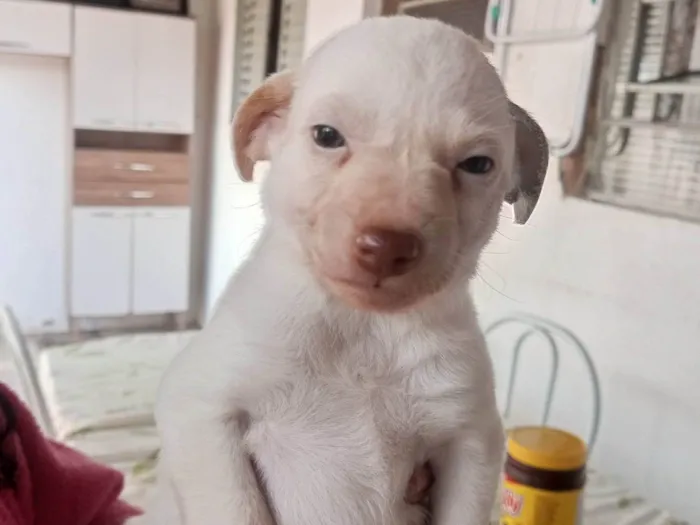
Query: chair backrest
[[552, 334], [13, 344]]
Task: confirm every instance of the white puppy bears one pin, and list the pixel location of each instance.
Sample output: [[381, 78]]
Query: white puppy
[[345, 351]]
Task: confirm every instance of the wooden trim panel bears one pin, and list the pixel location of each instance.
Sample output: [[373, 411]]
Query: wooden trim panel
[[100, 193], [130, 166]]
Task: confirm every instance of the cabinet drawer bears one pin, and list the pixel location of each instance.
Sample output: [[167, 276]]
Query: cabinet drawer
[[100, 193], [36, 28], [130, 166]]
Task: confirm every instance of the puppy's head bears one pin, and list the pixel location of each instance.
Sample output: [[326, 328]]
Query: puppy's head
[[391, 150]]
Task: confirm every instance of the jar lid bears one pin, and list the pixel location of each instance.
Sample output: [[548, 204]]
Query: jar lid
[[546, 448]]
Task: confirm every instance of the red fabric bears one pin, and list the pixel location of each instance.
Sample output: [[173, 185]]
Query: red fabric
[[53, 484]]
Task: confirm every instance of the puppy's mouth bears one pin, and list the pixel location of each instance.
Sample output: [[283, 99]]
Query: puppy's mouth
[[364, 290], [373, 283], [373, 294], [368, 284]]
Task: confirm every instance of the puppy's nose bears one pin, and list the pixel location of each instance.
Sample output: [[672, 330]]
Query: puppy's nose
[[387, 253]]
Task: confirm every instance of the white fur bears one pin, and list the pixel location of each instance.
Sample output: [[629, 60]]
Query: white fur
[[339, 403]]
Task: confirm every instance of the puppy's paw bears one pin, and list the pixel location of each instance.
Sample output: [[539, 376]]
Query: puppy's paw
[[418, 489], [418, 515]]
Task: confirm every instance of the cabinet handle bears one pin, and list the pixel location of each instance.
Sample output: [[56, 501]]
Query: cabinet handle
[[142, 194], [13, 44], [138, 166], [104, 121], [161, 124]]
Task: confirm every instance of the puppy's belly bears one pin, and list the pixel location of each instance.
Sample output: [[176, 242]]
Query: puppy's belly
[[337, 461]]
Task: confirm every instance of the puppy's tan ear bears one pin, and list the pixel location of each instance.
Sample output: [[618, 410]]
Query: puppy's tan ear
[[532, 159], [260, 116]]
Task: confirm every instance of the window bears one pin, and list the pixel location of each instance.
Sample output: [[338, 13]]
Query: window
[[269, 37], [468, 15], [644, 152], [292, 32]]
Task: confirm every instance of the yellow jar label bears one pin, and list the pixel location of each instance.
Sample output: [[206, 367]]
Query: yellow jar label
[[522, 505]]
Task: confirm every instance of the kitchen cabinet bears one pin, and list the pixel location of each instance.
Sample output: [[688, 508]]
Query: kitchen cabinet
[[104, 75], [130, 260], [161, 260], [34, 161], [101, 265], [35, 28], [133, 71], [165, 74]]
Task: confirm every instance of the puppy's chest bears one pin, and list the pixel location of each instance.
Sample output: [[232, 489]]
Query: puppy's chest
[[382, 406], [327, 411], [351, 433]]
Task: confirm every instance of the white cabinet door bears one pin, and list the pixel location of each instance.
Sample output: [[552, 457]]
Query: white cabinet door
[[161, 260], [165, 64], [104, 70], [34, 160], [101, 265], [35, 28]]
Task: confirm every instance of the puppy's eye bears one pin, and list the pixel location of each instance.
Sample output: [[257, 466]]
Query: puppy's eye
[[477, 165], [327, 137]]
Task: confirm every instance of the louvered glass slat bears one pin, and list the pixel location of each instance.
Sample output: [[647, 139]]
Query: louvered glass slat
[[654, 165], [252, 26], [292, 34]]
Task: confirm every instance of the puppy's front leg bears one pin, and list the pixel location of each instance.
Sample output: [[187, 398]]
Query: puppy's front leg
[[467, 471], [210, 473], [204, 463]]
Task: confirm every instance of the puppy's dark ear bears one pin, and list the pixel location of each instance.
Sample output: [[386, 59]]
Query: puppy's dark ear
[[260, 116], [532, 159]]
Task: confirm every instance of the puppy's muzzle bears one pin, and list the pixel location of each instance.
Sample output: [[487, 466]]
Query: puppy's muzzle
[[387, 253]]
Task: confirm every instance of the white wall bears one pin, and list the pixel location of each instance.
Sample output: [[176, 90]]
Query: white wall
[[324, 17], [206, 12], [235, 216], [627, 284]]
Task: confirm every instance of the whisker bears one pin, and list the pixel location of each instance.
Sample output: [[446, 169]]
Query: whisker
[[490, 108], [499, 292], [499, 232], [245, 206], [493, 128], [488, 267], [490, 102]]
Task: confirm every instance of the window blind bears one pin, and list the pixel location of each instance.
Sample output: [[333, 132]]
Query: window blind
[[250, 54], [253, 41], [292, 34], [646, 150]]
